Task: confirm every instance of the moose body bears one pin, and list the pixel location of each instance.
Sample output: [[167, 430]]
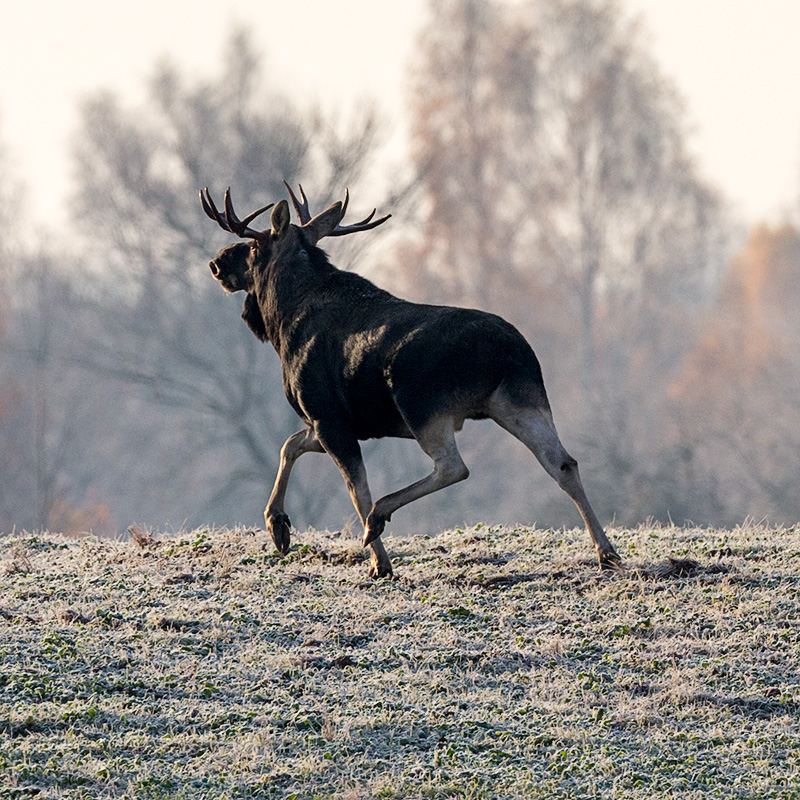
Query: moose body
[[359, 363]]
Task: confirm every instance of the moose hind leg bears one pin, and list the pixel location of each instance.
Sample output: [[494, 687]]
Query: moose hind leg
[[535, 429], [277, 522], [438, 441]]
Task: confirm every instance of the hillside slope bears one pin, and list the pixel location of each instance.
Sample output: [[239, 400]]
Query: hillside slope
[[499, 663]]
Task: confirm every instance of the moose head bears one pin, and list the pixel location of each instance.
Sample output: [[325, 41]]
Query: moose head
[[233, 265]]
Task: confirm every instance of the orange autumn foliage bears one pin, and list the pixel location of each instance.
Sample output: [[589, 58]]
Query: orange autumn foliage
[[757, 321]]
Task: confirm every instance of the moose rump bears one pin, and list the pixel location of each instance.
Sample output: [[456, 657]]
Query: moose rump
[[453, 361]]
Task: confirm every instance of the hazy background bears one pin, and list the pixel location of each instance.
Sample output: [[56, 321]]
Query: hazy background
[[735, 63], [619, 179]]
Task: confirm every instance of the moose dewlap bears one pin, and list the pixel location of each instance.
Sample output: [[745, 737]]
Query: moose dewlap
[[359, 363]]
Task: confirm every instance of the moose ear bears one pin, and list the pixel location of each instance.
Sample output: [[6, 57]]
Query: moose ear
[[280, 218], [324, 223]]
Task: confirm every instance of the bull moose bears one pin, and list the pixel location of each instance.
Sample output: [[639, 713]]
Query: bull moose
[[359, 363]]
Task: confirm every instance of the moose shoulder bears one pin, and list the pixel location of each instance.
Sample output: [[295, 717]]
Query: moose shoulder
[[359, 363]]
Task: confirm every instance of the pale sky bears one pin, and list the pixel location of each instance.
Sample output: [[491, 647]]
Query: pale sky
[[735, 62]]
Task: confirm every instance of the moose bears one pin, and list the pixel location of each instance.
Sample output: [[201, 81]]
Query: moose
[[360, 363]]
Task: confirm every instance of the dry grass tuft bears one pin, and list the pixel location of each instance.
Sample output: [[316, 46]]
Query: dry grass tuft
[[143, 539], [17, 563]]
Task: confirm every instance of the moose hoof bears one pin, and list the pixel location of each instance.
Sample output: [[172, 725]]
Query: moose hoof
[[280, 529], [381, 571], [610, 560], [374, 528]]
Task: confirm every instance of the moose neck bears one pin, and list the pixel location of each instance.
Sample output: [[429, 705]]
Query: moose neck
[[288, 283]]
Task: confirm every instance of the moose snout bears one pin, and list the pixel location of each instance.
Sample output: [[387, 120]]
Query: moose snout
[[214, 268]]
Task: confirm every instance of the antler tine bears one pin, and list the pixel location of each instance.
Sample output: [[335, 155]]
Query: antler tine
[[367, 218], [344, 210], [211, 210], [239, 226], [301, 208], [360, 226], [364, 225], [250, 217], [234, 223]]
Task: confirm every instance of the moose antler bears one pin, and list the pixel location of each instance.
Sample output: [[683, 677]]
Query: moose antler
[[364, 225], [304, 215], [230, 222]]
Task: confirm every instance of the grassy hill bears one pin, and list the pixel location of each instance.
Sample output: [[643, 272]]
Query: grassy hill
[[498, 663]]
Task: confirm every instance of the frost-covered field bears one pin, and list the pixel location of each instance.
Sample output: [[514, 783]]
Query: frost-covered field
[[499, 663]]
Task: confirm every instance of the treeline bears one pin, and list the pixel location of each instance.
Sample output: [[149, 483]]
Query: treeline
[[548, 180]]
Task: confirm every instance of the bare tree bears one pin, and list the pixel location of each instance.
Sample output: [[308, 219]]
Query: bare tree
[[202, 381], [603, 244], [11, 408], [51, 419], [471, 105]]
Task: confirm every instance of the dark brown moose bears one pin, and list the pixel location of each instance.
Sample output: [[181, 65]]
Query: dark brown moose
[[359, 363]]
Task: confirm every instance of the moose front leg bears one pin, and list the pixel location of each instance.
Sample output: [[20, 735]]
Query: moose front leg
[[344, 449], [380, 565], [277, 522]]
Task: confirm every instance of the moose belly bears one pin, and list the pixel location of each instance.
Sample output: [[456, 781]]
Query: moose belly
[[373, 412]]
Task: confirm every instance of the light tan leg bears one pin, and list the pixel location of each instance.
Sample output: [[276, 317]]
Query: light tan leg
[[276, 520], [535, 429], [438, 441], [379, 564], [344, 449]]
